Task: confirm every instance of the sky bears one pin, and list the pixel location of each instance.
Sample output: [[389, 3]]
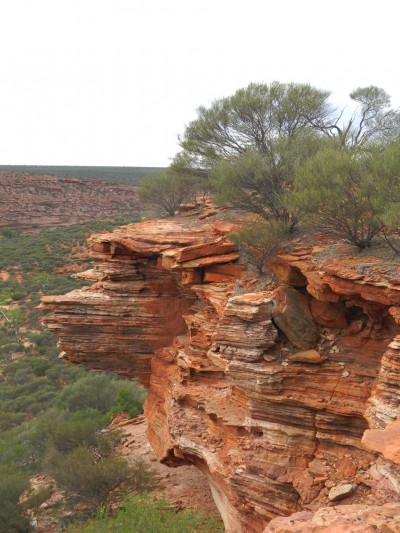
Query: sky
[[113, 82]]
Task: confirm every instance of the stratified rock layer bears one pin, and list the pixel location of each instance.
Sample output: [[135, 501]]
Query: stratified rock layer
[[30, 201], [273, 413]]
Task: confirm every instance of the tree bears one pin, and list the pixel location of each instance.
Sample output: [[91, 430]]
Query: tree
[[249, 143], [336, 190], [166, 190], [258, 183], [254, 117], [373, 121], [259, 240], [386, 165], [185, 164], [13, 318]]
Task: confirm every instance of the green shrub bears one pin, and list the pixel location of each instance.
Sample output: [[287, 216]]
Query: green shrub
[[143, 476], [10, 419], [103, 392], [9, 233], [93, 391], [63, 431], [13, 482], [80, 473], [166, 190], [258, 240], [126, 402], [336, 190]]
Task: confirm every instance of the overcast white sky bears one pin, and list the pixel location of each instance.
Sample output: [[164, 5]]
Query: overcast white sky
[[113, 82]]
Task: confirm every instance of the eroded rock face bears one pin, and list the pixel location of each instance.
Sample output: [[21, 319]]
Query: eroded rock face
[[273, 433], [292, 315], [343, 519], [28, 201]]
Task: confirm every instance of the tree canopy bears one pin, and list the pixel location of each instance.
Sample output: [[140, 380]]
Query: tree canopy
[[253, 118], [283, 152], [337, 189], [249, 143], [372, 121]]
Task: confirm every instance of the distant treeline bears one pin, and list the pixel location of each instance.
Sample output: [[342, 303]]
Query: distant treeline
[[126, 175]]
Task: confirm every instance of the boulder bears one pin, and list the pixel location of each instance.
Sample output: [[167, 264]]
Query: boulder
[[341, 491], [292, 315]]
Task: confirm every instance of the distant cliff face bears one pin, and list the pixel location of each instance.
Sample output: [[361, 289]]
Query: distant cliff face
[[288, 398], [28, 201]]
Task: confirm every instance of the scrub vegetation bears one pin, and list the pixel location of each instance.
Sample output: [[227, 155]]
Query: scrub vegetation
[[282, 152], [126, 175], [280, 156], [52, 414]]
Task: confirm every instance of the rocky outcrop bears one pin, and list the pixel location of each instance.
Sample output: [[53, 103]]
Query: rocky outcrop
[[271, 392], [344, 519], [33, 202]]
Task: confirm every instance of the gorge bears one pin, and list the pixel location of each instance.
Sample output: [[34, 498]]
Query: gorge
[[33, 202], [284, 394]]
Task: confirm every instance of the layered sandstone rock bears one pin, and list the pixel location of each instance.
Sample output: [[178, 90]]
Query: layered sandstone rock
[[29, 201], [268, 392]]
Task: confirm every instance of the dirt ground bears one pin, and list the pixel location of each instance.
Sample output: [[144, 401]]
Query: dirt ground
[[185, 486]]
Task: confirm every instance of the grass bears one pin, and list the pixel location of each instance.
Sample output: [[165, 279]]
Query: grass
[[141, 513]]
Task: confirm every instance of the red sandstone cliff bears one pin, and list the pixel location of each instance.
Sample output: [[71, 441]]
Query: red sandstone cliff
[[47, 201], [287, 397]]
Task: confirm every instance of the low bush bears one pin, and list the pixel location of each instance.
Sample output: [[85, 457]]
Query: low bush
[[259, 240], [13, 482], [63, 432], [81, 473], [143, 476]]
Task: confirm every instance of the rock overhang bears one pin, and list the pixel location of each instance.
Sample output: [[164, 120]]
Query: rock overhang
[[230, 389]]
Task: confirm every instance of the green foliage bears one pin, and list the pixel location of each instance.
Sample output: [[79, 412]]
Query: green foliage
[[186, 164], [258, 240], [9, 233], [83, 474], [98, 391], [94, 391], [336, 190], [386, 165], [127, 402], [372, 122], [63, 431], [32, 366], [142, 513], [39, 254], [127, 175], [32, 377], [254, 117], [251, 142], [12, 319], [77, 454], [13, 482], [257, 182], [27, 395], [143, 476], [166, 190]]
